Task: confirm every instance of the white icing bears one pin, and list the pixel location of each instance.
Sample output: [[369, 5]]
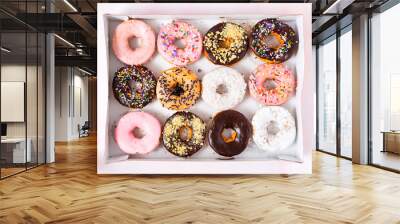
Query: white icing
[[233, 82], [273, 140]]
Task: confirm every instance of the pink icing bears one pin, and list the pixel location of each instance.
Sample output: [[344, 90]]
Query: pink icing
[[127, 30], [189, 36], [147, 123], [284, 79]]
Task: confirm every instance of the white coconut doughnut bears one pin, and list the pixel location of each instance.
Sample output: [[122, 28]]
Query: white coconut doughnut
[[223, 88], [274, 128]]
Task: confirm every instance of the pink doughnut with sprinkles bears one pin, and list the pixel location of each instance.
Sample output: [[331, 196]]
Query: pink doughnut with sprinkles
[[272, 84], [189, 36]]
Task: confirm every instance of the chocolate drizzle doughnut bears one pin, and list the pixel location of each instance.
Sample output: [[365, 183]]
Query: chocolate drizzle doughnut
[[178, 88], [226, 43], [134, 86], [240, 132], [191, 142], [273, 28]]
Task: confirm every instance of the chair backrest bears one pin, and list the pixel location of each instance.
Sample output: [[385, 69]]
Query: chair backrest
[[86, 125]]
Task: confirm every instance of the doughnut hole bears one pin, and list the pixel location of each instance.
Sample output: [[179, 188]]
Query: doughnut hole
[[221, 89], [135, 42], [138, 133], [272, 128], [226, 43], [270, 84], [229, 135], [185, 133], [273, 40], [135, 86], [179, 43], [177, 90]]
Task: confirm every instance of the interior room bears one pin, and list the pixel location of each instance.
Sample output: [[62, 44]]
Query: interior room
[[157, 111]]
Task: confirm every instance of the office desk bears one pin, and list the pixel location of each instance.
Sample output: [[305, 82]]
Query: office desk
[[391, 141], [13, 150]]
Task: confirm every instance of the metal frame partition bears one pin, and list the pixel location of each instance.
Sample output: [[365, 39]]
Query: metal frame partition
[[40, 41]]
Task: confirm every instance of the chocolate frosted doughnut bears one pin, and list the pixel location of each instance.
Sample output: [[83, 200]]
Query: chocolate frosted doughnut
[[134, 86], [226, 43], [229, 133], [183, 134], [261, 44], [178, 88]]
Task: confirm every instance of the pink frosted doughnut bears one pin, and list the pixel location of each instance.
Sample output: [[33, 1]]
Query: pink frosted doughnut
[[127, 30], [189, 36], [147, 123], [281, 77]]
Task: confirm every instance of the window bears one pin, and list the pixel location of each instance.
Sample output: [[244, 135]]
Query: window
[[327, 96], [385, 90], [346, 92]]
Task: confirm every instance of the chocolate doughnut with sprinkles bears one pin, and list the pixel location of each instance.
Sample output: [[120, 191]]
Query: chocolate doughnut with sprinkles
[[134, 86], [225, 43], [178, 88], [183, 134], [273, 41]]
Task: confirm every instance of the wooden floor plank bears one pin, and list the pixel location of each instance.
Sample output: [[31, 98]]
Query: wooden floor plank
[[70, 191]]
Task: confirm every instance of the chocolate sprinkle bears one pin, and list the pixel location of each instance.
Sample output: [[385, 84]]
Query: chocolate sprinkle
[[268, 27], [145, 89], [178, 88]]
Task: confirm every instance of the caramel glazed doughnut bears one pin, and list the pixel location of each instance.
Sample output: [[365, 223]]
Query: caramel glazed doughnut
[[184, 134], [141, 93], [178, 88], [225, 43]]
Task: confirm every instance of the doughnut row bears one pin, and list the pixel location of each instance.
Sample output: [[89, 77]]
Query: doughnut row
[[184, 133], [271, 40], [179, 88]]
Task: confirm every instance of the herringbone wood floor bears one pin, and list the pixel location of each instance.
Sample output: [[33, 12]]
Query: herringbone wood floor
[[70, 191]]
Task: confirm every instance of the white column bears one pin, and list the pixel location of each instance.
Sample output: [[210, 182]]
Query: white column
[[360, 90]]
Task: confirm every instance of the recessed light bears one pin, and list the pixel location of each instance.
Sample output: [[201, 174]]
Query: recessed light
[[64, 40], [70, 5], [5, 49]]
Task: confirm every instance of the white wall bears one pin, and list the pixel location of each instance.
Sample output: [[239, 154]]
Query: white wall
[[33, 127], [70, 84]]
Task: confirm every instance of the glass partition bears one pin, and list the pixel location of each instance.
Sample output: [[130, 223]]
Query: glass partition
[[22, 77], [13, 103]]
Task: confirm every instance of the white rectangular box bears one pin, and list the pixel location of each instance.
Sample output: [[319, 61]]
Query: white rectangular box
[[296, 159]]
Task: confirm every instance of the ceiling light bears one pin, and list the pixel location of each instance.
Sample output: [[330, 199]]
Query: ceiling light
[[70, 5], [64, 40], [5, 49], [84, 71], [338, 6]]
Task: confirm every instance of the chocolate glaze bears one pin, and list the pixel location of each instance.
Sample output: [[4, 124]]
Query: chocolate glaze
[[172, 140], [213, 57], [234, 120], [134, 98], [267, 27]]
